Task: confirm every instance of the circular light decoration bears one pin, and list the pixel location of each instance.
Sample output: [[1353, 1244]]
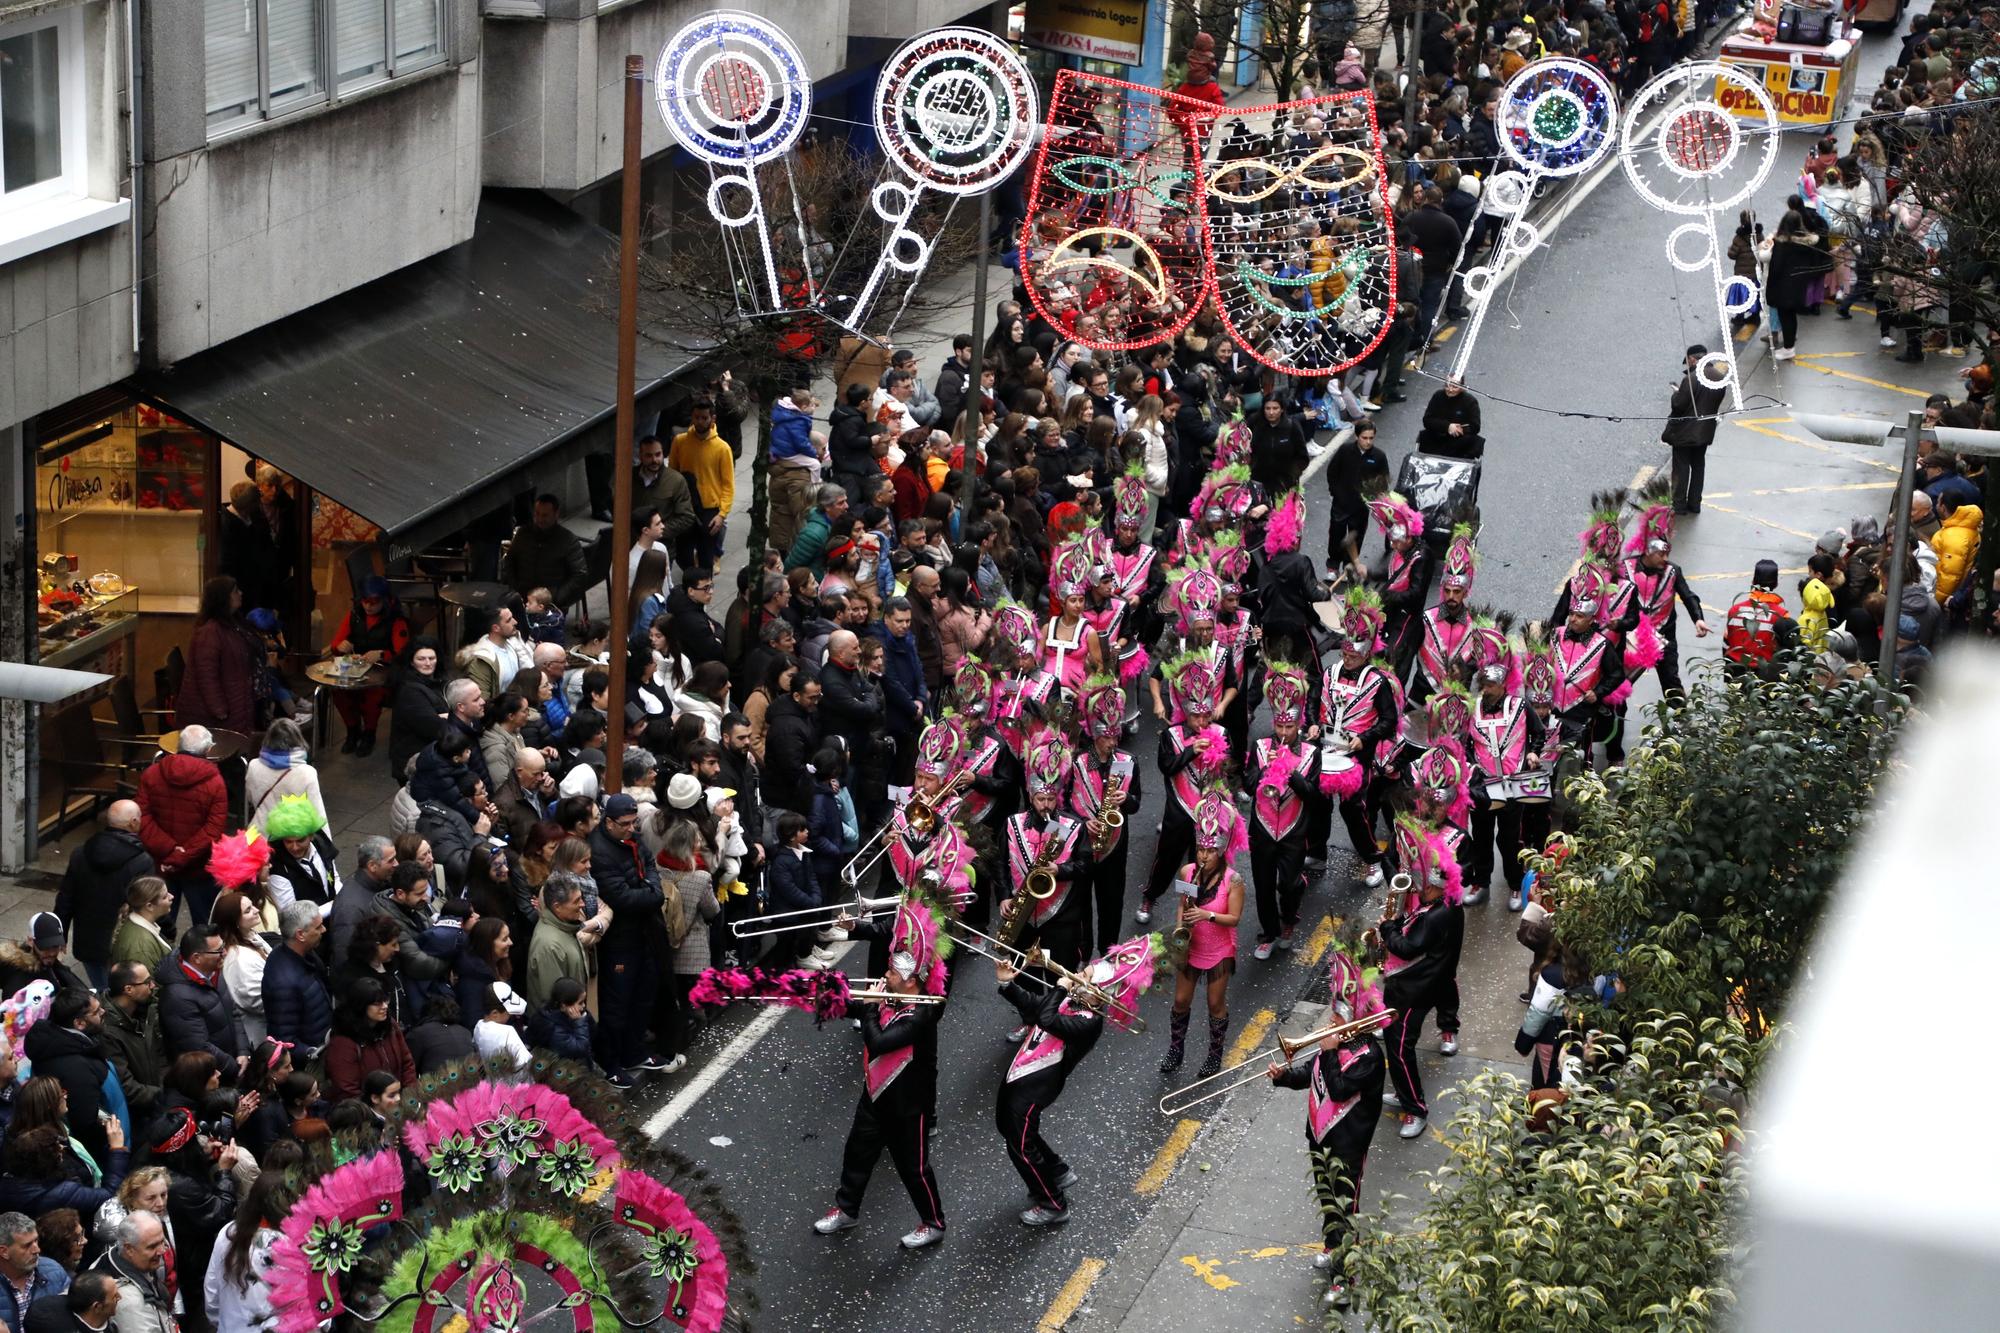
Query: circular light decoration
[[733, 89], [1697, 141], [956, 108], [1557, 117]]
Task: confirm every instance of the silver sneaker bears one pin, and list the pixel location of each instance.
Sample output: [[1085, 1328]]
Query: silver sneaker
[[1323, 1260], [1068, 1181], [1375, 878], [1448, 1043], [1391, 1102], [1143, 916], [923, 1237], [1413, 1127], [835, 1220], [1038, 1216]]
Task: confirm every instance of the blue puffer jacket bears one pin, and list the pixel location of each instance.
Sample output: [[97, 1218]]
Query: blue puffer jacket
[[297, 1006]]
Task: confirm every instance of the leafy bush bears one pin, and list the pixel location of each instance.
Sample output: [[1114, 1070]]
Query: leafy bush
[[1698, 872], [1616, 1217]]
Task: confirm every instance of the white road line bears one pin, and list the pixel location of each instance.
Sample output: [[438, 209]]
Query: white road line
[[717, 1069]]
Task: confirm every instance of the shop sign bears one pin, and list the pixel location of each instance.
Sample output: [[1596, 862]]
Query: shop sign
[[1804, 94], [1113, 30], [72, 488]]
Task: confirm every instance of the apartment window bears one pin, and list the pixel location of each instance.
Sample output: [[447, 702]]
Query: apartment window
[[268, 57], [41, 109]]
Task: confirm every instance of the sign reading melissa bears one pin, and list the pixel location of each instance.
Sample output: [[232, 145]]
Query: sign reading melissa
[[1113, 30]]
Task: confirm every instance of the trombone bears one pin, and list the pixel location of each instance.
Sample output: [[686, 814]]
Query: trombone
[[920, 812], [1250, 1069], [1025, 963], [825, 915]]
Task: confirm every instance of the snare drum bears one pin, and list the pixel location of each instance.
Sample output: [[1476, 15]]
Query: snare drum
[[1334, 759], [1535, 788], [1502, 790]]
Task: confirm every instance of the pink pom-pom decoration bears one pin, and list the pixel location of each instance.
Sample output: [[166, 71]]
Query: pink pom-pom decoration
[[1646, 649], [1283, 529], [1342, 785], [679, 1250], [1133, 669]]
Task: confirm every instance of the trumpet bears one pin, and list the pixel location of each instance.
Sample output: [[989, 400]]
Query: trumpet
[[1025, 963], [1183, 933], [1250, 1069], [807, 918]]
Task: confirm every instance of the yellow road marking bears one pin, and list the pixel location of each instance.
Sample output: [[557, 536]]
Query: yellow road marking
[[1210, 1271], [1070, 1299], [1252, 1036], [1744, 334], [1318, 942], [1762, 426], [1759, 518], [1805, 359], [1736, 576], [1444, 335], [1155, 1177], [1641, 477]]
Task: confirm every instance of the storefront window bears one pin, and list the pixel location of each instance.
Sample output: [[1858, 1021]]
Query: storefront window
[[120, 527]]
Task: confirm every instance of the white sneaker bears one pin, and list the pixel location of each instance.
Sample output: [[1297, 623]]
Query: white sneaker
[[1448, 1043], [1262, 952], [1315, 864], [835, 1220], [1783, 354], [1143, 916], [1413, 1127], [675, 1065], [1018, 1035], [1323, 1260], [1888, 342], [1289, 940], [922, 1237], [1068, 1181], [1039, 1216], [1375, 878], [1391, 1102], [1514, 901]]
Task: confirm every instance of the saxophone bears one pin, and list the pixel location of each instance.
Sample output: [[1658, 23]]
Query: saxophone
[[1110, 819], [1039, 885]]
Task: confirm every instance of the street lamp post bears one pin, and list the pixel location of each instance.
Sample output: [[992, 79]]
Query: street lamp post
[[1876, 434]]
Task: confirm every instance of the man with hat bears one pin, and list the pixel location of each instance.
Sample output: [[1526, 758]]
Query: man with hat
[[1757, 625], [303, 858], [1060, 1026], [38, 958], [898, 1086], [1105, 778], [1042, 836], [629, 883], [1507, 741], [1690, 429], [1590, 667], [1446, 639], [1285, 784], [1357, 712]]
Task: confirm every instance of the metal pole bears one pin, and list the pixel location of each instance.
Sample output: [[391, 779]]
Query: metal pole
[[621, 443], [1411, 64], [969, 476], [1899, 548]]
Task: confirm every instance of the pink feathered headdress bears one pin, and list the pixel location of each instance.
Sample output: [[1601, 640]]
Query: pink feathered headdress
[[678, 1248], [1283, 529], [238, 859], [1134, 965], [325, 1234]]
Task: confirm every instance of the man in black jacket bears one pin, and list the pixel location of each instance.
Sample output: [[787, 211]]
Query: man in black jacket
[[298, 1007], [131, 1037], [196, 1013], [38, 958], [634, 945], [791, 736], [65, 1047], [1451, 422], [1063, 1028], [952, 379], [1357, 471], [695, 632], [851, 706], [94, 884], [898, 1088], [1279, 446], [1690, 429], [1437, 238], [851, 443], [1422, 947]]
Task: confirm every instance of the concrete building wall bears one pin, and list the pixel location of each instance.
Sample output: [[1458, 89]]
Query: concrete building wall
[[553, 104], [901, 19], [284, 215]]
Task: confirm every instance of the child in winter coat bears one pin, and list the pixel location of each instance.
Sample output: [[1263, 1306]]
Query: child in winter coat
[[564, 1026]]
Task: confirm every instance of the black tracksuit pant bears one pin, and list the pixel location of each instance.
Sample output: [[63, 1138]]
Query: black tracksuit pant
[[1018, 1116], [1278, 873], [902, 1133]]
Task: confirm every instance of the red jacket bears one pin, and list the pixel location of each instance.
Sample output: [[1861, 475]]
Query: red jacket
[[913, 490], [219, 690], [182, 804]]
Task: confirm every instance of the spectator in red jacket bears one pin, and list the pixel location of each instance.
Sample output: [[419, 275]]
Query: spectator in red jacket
[[220, 688], [182, 808], [912, 481], [365, 1039]]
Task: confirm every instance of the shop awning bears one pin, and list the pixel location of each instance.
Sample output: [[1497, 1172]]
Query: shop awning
[[431, 395]]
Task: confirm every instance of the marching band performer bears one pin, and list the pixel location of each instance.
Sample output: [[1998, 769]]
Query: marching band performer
[[1236, 640], [1617, 611], [1209, 902], [1196, 596], [1227, 496], [1105, 778], [1441, 809], [1656, 581], [898, 1085], [1447, 627], [1403, 577], [1138, 576], [1193, 753], [1042, 836], [1070, 648], [1024, 691], [1060, 1025], [1419, 947], [1286, 769], [1507, 741], [1538, 687], [1357, 713], [1590, 669], [1343, 1087]]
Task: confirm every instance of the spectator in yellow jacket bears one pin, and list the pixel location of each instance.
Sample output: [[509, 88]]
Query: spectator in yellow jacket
[[1815, 600], [702, 453], [1956, 544]]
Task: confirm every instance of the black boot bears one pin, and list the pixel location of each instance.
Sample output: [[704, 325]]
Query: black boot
[[1218, 1033], [1177, 1026]]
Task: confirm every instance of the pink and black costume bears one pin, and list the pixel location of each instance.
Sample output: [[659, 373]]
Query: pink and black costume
[[1285, 785], [1061, 922], [1421, 950], [1061, 1032], [1091, 777]]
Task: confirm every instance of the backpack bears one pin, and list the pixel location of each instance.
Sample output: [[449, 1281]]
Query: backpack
[[1750, 635], [672, 911]]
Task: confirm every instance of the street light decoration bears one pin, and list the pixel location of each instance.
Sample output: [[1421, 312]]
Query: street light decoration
[[1697, 161], [1131, 231], [955, 112], [1557, 117], [735, 92]]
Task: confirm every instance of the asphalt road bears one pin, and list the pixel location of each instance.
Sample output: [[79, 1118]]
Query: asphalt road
[[1594, 323]]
